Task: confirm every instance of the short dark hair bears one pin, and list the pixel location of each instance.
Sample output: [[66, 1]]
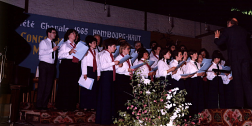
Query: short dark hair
[[69, 31], [173, 45], [90, 39], [138, 42], [141, 51], [175, 53], [203, 49], [155, 47], [163, 52], [182, 46], [109, 42], [191, 52], [50, 30], [152, 43], [216, 54]]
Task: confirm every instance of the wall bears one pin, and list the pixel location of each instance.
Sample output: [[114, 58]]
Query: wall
[[87, 11]]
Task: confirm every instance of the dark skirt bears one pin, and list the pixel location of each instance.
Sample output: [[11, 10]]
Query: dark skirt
[[216, 96], [196, 95], [229, 95], [123, 92], [206, 90], [68, 88], [166, 80], [105, 104], [88, 98], [180, 84]]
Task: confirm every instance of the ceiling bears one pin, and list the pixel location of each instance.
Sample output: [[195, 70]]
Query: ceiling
[[214, 12]]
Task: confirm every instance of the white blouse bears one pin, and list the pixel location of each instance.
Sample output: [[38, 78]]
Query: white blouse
[[124, 69], [162, 69], [174, 63], [106, 61], [211, 75], [64, 50], [88, 61], [143, 70], [190, 67], [153, 58]]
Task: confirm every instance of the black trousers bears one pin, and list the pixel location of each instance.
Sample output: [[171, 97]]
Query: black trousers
[[46, 77], [242, 83]]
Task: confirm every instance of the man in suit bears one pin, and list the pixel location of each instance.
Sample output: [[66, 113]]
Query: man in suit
[[235, 38]]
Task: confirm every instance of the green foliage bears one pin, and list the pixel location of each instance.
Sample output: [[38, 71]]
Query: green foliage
[[153, 105]]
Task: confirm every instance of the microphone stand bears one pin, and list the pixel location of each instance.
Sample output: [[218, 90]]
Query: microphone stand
[[218, 71]]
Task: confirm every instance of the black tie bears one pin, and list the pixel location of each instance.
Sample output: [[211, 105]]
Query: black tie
[[217, 66], [196, 65], [53, 51], [167, 61]]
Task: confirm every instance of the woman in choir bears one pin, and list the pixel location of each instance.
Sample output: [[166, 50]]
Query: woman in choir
[[216, 97], [123, 89], [145, 70], [173, 47], [90, 66], [152, 45], [195, 84], [204, 53], [177, 79], [164, 71], [106, 104], [185, 55], [156, 50], [138, 45], [69, 73]]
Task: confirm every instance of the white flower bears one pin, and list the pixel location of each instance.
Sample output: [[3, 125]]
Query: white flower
[[148, 92], [168, 106], [186, 107], [146, 81], [163, 112], [169, 96], [124, 114], [140, 121]]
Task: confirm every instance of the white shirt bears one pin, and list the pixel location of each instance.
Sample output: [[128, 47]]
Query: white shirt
[[174, 63], [135, 62], [106, 61], [162, 69], [88, 61], [153, 58], [190, 67], [151, 54], [143, 70], [45, 51], [211, 75], [124, 69], [99, 49], [100, 53], [64, 50]]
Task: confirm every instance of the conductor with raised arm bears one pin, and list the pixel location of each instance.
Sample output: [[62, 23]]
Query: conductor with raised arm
[[235, 38]]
